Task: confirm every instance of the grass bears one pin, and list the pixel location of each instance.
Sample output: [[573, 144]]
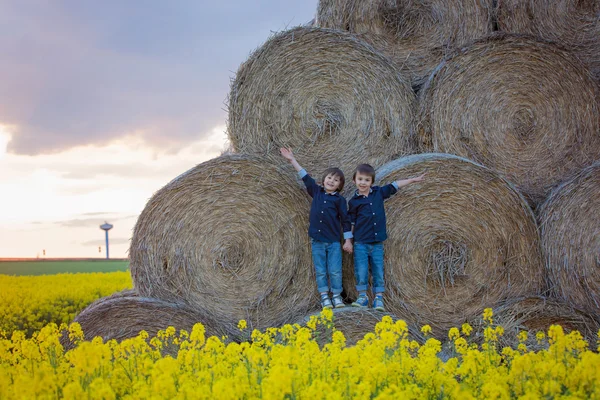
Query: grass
[[51, 267]]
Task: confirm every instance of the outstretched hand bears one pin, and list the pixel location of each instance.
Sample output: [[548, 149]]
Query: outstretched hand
[[418, 178], [287, 153], [404, 182]]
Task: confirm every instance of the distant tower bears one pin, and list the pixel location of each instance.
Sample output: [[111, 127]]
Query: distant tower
[[106, 227]]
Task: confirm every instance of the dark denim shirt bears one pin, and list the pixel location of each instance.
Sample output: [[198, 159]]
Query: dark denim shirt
[[368, 215], [328, 213]]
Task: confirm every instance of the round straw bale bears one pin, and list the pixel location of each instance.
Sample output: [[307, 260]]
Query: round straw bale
[[570, 230], [125, 315], [414, 33], [534, 314], [229, 237], [459, 241], [355, 323], [572, 23], [332, 98], [524, 108]]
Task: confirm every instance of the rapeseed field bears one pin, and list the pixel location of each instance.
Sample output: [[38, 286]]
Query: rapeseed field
[[285, 362]]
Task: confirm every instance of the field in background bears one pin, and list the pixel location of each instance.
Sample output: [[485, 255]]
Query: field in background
[[58, 266]]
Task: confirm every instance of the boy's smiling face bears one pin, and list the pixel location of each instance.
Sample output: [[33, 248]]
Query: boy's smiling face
[[363, 182], [331, 183]]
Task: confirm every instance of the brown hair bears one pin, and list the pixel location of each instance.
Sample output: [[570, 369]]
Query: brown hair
[[365, 169], [335, 172]]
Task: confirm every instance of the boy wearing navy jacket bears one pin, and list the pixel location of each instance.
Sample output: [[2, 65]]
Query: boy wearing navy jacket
[[328, 215], [369, 228]]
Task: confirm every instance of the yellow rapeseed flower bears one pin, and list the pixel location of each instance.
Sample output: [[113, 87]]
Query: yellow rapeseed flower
[[487, 315], [466, 329], [453, 333], [426, 329], [242, 325]]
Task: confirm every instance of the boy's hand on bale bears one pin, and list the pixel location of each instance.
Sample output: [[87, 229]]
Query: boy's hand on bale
[[404, 182], [418, 178], [348, 246]]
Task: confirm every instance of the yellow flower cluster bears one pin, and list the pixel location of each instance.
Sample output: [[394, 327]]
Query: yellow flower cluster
[[288, 363], [28, 303]]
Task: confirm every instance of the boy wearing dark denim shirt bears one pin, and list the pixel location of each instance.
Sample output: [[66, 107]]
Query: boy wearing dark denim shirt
[[328, 214], [369, 228]]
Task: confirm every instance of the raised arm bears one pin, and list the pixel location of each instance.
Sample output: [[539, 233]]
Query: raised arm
[[288, 155], [309, 182], [392, 188], [404, 182]]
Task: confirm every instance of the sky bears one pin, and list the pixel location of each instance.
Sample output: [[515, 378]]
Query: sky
[[102, 103]]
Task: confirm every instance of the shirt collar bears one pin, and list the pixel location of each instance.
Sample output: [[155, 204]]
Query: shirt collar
[[356, 194]]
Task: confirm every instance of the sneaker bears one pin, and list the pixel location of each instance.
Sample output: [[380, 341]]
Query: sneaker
[[337, 301], [362, 301], [378, 303], [326, 301]]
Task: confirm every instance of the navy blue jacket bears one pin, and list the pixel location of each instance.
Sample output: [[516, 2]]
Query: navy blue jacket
[[368, 215], [328, 213]]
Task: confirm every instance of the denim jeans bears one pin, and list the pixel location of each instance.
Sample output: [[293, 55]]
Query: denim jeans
[[365, 253], [327, 258]]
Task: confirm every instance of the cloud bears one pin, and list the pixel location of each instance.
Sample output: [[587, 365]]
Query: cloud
[[96, 213], [90, 222], [111, 241], [79, 73]]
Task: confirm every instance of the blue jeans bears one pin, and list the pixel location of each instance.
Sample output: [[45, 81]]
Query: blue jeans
[[327, 258], [363, 254]]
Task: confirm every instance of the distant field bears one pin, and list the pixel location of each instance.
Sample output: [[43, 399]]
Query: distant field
[[50, 267]]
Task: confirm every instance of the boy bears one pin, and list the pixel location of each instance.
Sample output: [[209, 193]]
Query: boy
[[328, 213], [368, 219]]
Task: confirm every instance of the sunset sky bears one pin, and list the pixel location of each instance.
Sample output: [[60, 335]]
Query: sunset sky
[[103, 103]]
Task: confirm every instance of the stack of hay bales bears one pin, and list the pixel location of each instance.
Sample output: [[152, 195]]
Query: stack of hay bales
[[374, 81]]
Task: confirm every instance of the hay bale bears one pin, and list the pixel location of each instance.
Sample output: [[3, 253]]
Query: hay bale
[[572, 23], [535, 314], [416, 34], [355, 323], [125, 314], [228, 237], [459, 241], [524, 108], [330, 97], [570, 231]]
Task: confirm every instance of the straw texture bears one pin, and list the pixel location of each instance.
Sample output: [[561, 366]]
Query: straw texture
[[416, 34], [355, 323], [125, 314], [459, 241], [572, 23], [524, 108], [570, 229], [229, 237], [333, 99]]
